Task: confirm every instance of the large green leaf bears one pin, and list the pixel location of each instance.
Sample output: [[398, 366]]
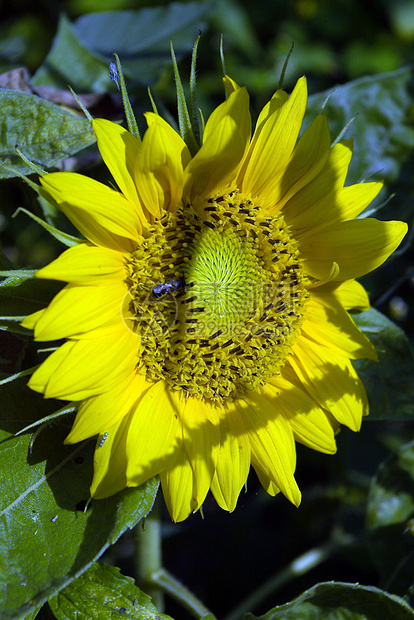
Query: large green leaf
[[382, 128], [390, 512], [102, 592], [389, 382], [46, 537], [341, 601], [43, 131], [82, 51]]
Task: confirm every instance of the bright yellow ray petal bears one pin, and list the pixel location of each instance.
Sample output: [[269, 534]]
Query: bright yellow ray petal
[[177, 488], [358, 246], [225, 140], [232, 460], [201, 439], [154, 433], [98, 413], [85, 264], [110, 461], [328, 323], [272, 443], [350, 294], [84, 368], [331, 380], [316, 204], [309, 423], [236, 107], [307, 161], [79, 309], [100, 213], [269, 154], [29, 322], [119, 150], [159, 167], [270, 487]]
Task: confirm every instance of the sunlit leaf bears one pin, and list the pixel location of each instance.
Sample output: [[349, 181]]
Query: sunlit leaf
[[102, 592], [45, 132]]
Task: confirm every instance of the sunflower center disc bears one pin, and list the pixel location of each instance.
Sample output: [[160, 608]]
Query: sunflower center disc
[[217, 295]]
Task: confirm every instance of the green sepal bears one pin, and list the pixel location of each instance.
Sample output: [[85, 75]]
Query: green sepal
[[184, 121], [129, 114], [68, 240], [194, 111]]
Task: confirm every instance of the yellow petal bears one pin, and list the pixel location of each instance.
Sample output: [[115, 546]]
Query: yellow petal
[[29, 322], [328, 323], [309, 423], [224, 142], [350, 294], [154, 433], [79, 309], [358, 246], [103, 215], [84, 368], [98, 413], [316, 204], [270, 152], [177, 487], [307, 161], [331, 381], [232, 460], [110, 461], [201, 439], [272, 443], [119, 150], [85, 264], [159, 166]]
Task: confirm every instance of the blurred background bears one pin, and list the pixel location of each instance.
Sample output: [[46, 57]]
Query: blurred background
[[224, 557]]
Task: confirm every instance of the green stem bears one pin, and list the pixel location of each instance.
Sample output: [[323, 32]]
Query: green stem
[[181, 594], [149, 555]]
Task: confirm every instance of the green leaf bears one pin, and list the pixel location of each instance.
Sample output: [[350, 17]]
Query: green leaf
[[389, 383], [43, 131], [71, 62], [382, 129], [142, 38], [341, 601], [81, 51], [103, 593], [390, 509], [46, 537]]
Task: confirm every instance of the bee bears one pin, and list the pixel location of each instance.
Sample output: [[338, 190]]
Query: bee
[[176, 284]]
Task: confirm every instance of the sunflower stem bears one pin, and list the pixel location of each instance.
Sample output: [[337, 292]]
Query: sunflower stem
[[149, 556], [182, 595]]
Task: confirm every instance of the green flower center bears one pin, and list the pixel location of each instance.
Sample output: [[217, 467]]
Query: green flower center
[[217, 295]]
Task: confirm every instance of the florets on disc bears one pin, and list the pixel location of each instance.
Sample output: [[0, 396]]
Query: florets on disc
[[217, 294]]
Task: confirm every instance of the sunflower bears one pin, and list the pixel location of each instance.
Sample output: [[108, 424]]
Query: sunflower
[[205, 317]]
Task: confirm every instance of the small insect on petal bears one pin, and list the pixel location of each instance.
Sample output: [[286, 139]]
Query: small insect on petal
[[104, 438]]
